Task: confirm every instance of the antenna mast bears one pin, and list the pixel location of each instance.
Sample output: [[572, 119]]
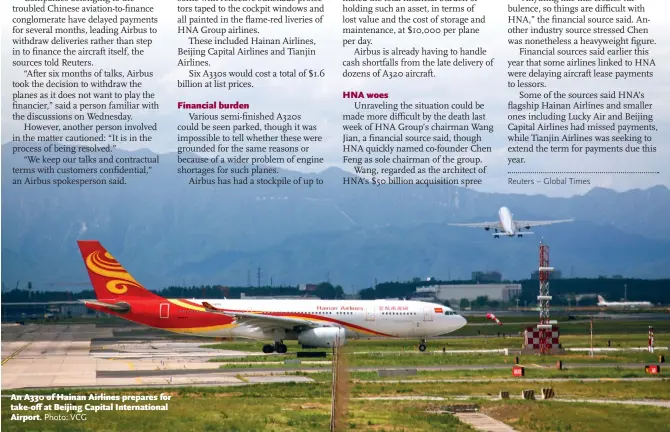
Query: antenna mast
[[544, 327]]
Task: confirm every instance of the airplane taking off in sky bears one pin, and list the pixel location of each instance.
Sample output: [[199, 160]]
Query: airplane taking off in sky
[[313, 323], [625, 304], [507, 226]]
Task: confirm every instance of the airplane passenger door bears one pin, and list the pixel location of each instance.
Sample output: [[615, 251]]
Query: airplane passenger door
[[427, 314], [165, 310], [370, 314]]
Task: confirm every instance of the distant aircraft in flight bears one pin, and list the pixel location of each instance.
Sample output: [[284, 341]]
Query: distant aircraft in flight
[[625, 304], [507, 226]]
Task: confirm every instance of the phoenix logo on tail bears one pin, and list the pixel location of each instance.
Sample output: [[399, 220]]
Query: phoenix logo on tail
[[110, 280], [104, 264]]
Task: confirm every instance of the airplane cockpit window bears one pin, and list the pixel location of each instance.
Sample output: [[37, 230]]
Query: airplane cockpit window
[[449, 312]]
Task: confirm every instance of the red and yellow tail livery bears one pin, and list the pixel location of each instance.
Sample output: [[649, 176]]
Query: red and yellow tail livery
[[110, 280], [119, 293]]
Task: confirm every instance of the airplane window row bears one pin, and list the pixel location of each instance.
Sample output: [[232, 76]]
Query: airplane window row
[[318, 313]]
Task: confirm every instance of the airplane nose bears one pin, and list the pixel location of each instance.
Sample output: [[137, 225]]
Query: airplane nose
[[462, 322]]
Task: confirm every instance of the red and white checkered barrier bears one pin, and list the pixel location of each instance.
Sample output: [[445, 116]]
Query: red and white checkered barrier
[[532, 337]]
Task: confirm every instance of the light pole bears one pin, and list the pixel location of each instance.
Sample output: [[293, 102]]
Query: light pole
[[591, 336]]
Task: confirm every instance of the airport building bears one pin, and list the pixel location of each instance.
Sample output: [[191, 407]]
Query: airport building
[[454, 293], [487, 277]]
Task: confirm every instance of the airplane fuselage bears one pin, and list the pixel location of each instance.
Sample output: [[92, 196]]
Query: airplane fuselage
[[360, 318], [624, 304], [507, 222]]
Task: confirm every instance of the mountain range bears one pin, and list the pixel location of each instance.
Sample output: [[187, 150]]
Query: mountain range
[[167, 232]]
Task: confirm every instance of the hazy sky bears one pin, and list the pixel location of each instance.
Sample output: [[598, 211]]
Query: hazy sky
[[320, 101]]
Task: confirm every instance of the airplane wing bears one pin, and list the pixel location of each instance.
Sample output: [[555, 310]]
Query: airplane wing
[[268, 322], [490, 225], [524, 224]]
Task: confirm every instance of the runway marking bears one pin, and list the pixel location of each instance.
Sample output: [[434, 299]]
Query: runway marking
[[533, 365], [15, 353], [508, 380], [482, 422]]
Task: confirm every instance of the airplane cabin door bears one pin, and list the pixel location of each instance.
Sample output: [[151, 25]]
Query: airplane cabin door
[[427, 314], [370, 314], [165, 310]]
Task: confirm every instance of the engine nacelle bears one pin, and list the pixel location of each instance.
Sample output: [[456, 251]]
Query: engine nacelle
[[322, 337]]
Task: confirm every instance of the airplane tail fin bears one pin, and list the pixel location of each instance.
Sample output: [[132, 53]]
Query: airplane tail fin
[[109, 279], [601, 299]]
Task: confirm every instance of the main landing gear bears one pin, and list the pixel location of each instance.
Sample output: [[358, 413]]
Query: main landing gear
[[422, 345], [279, 347]]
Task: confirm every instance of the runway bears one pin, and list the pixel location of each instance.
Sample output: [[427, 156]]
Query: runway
[[657, 403], [79, 356], [128, 372]]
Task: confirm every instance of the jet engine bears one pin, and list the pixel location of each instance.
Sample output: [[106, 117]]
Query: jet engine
[[322, 337]]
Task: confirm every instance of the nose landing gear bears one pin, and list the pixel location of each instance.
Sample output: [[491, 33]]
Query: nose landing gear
[[422, 345]]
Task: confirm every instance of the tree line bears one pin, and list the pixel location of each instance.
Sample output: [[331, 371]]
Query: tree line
[[563, 291], [323, 290]]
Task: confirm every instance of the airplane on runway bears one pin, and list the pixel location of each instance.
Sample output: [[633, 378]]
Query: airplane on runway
[[507, 226], [313, 323], [625, 304]]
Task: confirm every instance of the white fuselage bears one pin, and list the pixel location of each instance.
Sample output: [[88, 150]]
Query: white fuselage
[[506, 221], [360, 318], [623, 304]]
